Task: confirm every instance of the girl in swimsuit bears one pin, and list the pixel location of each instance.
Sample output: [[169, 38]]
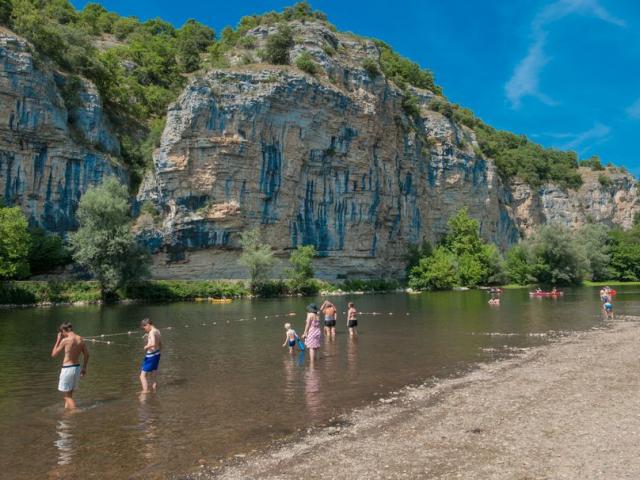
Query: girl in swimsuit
[[312, 333]]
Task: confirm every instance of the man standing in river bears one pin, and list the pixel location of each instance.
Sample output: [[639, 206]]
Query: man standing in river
[[149, 370], [73, 346]]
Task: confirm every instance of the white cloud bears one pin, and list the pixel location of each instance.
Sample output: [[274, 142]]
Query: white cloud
[[633, 110], [589, 138], [525, 80]]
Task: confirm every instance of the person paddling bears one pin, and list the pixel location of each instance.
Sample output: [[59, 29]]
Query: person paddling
[[73, 346]]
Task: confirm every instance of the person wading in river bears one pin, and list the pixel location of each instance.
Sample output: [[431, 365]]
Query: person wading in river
[[149, 369], [352, 320], [312, 335], [73, 346], [330, 313]]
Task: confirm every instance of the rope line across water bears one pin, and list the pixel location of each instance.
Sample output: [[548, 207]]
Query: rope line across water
[[98, 338]]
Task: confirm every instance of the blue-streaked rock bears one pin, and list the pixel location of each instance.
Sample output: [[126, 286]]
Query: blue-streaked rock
[[332, 161], [49, 157]]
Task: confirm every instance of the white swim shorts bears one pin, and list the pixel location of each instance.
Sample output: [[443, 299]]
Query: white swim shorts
[[69, 376]]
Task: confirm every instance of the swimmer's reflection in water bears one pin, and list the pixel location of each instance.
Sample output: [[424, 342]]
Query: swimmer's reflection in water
[[313, 396], [148, 424], [64, 442], [352, 355]]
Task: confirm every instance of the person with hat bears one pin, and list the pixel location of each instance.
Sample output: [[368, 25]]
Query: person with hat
[[312, 335]]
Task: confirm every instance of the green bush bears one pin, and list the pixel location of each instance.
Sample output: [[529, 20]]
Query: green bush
[[437, 272], [300, 275], [464, 259], [625, 254], [278, 46], [593, 163], [605, 180], [183, 290], [14, 243], [403, 71], [247, 42], [305, 63], [47, 251], [26, 293], [410, 106], [517, 265], [103, 244], [554, 256], [6, 8], [256, 257], [372, 285], [371, 67]]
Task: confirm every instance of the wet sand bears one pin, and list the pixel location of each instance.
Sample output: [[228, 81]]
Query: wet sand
[[569, 410]]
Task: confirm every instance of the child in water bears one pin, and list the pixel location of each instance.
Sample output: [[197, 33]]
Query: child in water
[[291, 337], [607, 307]]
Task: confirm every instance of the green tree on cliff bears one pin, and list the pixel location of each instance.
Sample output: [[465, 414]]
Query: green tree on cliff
[[104, 244], [256, 257], [14, 244]]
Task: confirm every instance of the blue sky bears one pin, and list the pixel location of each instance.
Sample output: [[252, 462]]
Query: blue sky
[[564, 72]]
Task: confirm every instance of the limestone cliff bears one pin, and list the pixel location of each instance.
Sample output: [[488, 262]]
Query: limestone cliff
[[339, 159], [333, 160], [49, 154]]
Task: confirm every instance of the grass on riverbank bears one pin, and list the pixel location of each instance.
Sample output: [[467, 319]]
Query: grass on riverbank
[[38, 292], [610, 283]]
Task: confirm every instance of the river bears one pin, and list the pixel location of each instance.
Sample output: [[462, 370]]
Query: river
[[226, 384]]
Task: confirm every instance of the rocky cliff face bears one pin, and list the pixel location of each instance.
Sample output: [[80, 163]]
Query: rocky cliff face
[[332, 160], [49, 154]]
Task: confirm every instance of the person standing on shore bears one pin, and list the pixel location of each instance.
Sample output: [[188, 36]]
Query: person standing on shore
[[330, 313], [352, 321], [73, 346], [312, 335], [149, 369]]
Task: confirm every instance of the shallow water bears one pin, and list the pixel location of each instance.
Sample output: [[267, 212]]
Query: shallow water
[[227, 386]]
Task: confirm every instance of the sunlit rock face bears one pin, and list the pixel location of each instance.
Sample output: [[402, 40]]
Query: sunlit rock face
[[49, 155], [333, 161]]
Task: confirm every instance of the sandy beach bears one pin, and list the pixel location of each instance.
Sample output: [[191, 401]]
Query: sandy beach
[[568, 410]]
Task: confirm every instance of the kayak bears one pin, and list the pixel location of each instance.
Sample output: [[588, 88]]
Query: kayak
[[220, 300], [546, 294]]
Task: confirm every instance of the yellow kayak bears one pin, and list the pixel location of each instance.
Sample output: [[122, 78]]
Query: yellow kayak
[[220, 300]]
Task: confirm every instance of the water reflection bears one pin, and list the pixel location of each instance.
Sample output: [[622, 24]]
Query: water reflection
[[352, 355], [64, 441], [313, 396], [148, 424]]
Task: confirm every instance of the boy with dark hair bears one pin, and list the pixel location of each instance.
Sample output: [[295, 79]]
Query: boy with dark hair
[[149, 369], [73, 346]]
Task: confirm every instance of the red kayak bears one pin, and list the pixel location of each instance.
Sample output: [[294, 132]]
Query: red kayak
[[546, 294]]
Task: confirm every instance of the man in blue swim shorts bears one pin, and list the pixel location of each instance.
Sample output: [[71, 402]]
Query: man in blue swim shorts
[[148, 374]]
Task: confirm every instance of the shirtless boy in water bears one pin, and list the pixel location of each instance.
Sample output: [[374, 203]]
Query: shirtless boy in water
[[73, 346], [330, 313], [151, 360]]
